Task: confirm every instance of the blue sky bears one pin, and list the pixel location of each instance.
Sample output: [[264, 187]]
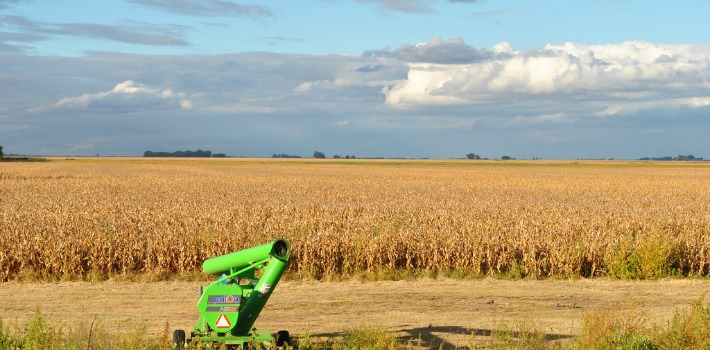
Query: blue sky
[[372, 78]]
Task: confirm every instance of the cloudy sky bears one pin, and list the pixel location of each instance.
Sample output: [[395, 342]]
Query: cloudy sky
[[552, 79]]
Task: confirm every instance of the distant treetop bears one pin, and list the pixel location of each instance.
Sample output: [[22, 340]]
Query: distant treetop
[[679, 157], [189, 154]]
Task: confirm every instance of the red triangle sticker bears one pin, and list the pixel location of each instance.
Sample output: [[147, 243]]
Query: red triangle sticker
[[222, 322]]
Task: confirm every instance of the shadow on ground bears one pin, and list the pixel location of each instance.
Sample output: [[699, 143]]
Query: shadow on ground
[[435, 337]]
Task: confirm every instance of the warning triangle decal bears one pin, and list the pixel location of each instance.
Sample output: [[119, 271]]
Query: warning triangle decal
[[222, 322]]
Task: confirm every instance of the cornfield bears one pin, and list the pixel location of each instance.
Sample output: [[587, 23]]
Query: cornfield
[[77, 218]]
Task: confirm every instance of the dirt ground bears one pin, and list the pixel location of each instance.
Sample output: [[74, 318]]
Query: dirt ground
[[440, 311]]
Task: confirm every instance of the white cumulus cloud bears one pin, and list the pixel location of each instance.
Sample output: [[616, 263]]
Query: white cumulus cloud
[[127, 94], [584, 72]]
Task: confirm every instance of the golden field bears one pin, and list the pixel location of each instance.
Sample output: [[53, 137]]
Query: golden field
[[91, 218]]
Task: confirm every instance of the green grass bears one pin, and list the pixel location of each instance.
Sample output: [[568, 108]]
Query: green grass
[[40, 335], [23, 159], [652, 257], [601, 329], [621, 329]]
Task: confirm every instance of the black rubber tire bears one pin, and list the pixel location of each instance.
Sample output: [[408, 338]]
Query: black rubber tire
[[179, 338], [282, 337]]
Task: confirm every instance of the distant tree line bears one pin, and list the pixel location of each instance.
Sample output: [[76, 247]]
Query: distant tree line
[[679, 157], [284, 155], [187, 154], [319, 154]]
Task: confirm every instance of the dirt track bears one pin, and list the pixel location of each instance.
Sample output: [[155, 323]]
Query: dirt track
[[437, 310]]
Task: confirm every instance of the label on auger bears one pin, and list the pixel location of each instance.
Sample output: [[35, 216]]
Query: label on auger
[[221, 309], [219, 305], [224, 299], [222, 322]]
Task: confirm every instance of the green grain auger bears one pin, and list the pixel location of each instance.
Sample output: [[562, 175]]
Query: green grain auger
[[230, 305]]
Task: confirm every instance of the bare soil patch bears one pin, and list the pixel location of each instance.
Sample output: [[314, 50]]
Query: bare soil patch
[[437, 311]]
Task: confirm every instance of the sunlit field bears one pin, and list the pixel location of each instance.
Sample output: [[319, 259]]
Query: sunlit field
[[99, 218]]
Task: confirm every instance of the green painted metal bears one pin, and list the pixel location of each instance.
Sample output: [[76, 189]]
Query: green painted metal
[[230, 305], [279, 248]]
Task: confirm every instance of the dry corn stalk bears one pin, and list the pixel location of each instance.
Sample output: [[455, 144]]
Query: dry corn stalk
[[71, 219]]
